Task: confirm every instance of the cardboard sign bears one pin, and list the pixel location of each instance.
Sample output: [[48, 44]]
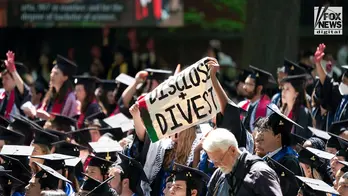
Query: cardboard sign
[[180, 102]]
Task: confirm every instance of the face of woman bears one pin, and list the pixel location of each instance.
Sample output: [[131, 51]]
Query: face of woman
[[80, 92], [57, 77], [288, 93], [95, 173], [95, 135], [110, 97]]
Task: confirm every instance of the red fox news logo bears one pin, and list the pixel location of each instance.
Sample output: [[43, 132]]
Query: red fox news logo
[[328, 21]]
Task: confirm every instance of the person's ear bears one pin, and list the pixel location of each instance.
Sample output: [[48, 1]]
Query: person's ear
[[65, 78], [194, 192], [259, 89], [278, 137], [125, 183]]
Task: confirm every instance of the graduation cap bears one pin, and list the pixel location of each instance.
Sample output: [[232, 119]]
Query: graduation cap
[[315, 186], [297, 139], [60, 134], [108, 85], [20, 67], [261, 77], [17, 150], [279, 122], [338, 127], [333, 143], [120, 121], [343, 143], [7, 179], [158, 74], [67, 148], [106, 149], [101, 163], [114, 133], [309, 158], [280, 169], [48, 177], [11, 135], [55, 161], [89, 82], [40, 88], [68, 67], [3, 121], [19, 166], [195, 179], [62, 119], [291, 68], [41, 123], [72, 162], [94, 186], [297, 81], [319, 133], [320, 153], [308, 68], [243, 74], [45, 138], [21, 124]]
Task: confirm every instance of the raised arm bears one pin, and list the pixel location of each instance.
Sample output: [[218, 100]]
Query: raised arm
[[139, 126], [11, 67], [319, 54], [127, 94]]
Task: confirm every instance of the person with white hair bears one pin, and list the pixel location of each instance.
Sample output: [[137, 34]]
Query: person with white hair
[[239, 172]]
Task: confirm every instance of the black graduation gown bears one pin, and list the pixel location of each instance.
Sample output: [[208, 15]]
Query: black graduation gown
[[257, 178], [332, 100], [304, 119], [290, 188], [19, 100]]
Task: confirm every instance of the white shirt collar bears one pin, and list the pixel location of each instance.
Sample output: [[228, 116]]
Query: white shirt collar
[[271, 154]]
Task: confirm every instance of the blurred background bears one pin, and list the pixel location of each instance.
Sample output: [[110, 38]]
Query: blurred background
[[162, 33]]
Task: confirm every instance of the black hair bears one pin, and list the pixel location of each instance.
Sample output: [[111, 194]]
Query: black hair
[[265, 124]]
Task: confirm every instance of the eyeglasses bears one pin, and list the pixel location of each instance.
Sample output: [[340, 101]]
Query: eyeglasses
[[221, 159]]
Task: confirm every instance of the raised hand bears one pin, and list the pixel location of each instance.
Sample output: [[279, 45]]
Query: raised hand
[[141, 76], [134, 110], [10, 62], [213, 65], [319, 54]]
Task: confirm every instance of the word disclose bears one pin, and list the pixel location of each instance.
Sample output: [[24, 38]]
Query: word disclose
[[182, 101]]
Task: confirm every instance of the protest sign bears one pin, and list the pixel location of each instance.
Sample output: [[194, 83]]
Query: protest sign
[[180, 102]]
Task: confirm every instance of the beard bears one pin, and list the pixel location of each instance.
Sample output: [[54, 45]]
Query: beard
[[250, 95]]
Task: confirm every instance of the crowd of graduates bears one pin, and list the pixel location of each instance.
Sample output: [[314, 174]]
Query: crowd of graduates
[[85, 135]]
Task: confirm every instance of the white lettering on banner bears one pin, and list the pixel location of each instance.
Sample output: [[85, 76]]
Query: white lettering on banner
[[183, 101]]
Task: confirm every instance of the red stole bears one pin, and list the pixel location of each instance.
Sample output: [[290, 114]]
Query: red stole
[[116, 111], [86, 163], [143, 12], [261, 110], [82, 117], [57, 106], [10, 103]]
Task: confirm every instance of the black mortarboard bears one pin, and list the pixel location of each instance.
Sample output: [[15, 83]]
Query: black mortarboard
[[103, 164], [40, 88], [115, 133], [61, 135], [261, 77], [291, 68], [21, 124], [279, 122], [55, 161], [297, 139], [80, 136], [67, 148], [91, 184], [243, 74], [158, 74], [96, 119], [68, 67], [108, 85], [41, 123], [297, 81], [338, 127], [101, 187], [10, 135], [20, 67], [320, 153], [307, 157], [333, 143], [7, 179], [62, 119], [319, 133], [45, 138], [315, 186], [48, 177], [89, 82], [343, 151], [3, 121], [308, 68], [195, 179], [106, 149], [280, 169], [19, 166]]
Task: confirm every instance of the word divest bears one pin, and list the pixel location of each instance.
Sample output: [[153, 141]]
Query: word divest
[[180, 102]]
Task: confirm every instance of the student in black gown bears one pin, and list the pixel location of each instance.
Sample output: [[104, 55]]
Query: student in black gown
[[84, 89]]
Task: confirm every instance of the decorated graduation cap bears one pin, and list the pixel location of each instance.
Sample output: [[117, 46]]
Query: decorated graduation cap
[[297, 81], [91, 185], [101, 163], [158, 74], [45, 138], [312, 186], [48, 177], [291, 68], [68, 67], [261, 76], [310, 158], [338, 127], [133, 170], [284, 173], [280, 123], [195, 179], [7, 180], [55, 161], [106, 149]]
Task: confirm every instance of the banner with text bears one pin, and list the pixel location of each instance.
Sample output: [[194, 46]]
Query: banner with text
[[180, 102]]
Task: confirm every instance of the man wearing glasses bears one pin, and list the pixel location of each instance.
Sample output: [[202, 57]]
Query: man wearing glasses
[[239, 172]]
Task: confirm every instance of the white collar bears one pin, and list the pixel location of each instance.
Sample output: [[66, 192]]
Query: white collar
[[271, 154]]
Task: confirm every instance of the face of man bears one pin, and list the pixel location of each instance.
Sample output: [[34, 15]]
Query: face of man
[[335, 165], [224, 160], [343, 187], [266, 142], [116, 183], [178, 188], [249, 87], [33, 188], [95, 173]]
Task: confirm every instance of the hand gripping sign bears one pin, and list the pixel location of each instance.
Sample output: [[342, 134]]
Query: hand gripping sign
[[180, 102]]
